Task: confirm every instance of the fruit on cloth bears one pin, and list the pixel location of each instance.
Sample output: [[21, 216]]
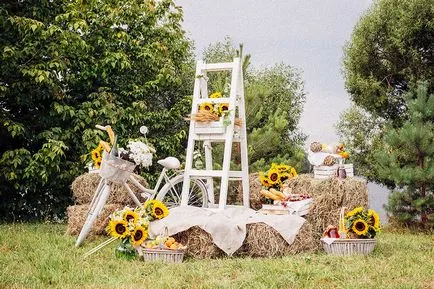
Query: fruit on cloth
[[315, 147], [329, 161]]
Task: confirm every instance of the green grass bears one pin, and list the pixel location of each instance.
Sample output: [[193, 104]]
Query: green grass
[[42, 256]]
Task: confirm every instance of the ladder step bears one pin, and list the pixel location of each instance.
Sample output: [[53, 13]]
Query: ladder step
[[214, 137], [214, 100], [218, 66], [214, 173]]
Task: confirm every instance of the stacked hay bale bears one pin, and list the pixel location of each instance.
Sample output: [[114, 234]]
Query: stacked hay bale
[[263, 241], [83, 189]]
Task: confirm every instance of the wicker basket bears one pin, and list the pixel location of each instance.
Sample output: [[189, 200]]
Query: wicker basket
[[350, 246], [167, 256], [115, 169]]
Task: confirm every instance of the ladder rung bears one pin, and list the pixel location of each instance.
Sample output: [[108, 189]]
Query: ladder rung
[[214, 100], [215, 137], [218, 66], [213, 173]]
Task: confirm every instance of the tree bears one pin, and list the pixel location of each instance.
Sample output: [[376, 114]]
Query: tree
[[362, 134], [391, 48], [274, 100], [68, 65], [408, 160]]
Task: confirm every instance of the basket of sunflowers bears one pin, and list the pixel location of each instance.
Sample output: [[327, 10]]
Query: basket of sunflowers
[[357, 229]]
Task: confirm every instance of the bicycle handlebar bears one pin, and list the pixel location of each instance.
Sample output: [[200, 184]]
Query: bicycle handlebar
[[101, 127]]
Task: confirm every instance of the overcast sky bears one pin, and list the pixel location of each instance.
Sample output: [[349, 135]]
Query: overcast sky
[[307, 34]]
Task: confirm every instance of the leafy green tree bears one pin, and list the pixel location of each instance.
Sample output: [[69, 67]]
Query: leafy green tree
[[274, 101], [68, 65], [408, 160], [391, 48]]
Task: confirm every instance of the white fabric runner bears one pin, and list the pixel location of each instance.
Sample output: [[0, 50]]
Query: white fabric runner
[[226, 227]]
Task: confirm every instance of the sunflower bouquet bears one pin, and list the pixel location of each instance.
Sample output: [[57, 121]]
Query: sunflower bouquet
[[273, 182], [212, 111], [360, 224], [131, 226]]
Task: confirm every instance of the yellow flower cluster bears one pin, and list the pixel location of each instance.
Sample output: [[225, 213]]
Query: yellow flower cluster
[[133, 224], [96, 155], [216, 108], [276, 175], [362, 223]]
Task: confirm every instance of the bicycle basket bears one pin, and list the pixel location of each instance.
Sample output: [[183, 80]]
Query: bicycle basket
[[115, 169]]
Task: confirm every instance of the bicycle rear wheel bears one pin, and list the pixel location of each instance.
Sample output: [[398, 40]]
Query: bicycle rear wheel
[[170, 193]]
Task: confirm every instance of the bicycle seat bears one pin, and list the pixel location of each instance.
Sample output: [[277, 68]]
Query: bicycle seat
[[170, 163]]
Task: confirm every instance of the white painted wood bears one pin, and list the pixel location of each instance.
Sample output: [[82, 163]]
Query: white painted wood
[[208, 165], [325, 172], [216, 132]]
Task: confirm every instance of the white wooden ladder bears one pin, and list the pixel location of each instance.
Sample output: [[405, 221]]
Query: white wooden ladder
[[222, 133]]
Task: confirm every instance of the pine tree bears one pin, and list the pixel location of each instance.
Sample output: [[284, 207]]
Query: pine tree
[[408, 159]]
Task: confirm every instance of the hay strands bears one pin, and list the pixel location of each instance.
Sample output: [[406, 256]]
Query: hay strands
[[208, 116]]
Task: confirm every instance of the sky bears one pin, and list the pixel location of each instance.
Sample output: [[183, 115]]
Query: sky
[[306, 34]]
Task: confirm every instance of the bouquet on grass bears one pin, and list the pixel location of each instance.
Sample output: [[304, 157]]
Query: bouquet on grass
[[131, 226]]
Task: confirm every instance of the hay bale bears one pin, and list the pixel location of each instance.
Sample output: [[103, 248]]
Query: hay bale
[[329, 196], [264, 241], [77, 216], [261, 241], [199, 243], [84, 186]]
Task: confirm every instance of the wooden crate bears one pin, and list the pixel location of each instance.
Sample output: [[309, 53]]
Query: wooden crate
[[213, 127], [325, 172]]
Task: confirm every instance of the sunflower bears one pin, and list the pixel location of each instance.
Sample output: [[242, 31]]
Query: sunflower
[[284, 176], [97, 164], [96, 154], [139, 235], [355, 211], [293, 172], [206, 106], [223, 107], [159, 210], [282, 168], [265, 181], [374, 219], [360, 227], [215, 95], [131, 216], [118, 229], [273, 175]]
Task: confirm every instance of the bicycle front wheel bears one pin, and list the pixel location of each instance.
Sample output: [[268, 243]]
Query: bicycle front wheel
[[170, 193]]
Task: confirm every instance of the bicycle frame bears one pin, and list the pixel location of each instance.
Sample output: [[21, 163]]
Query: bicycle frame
[[152, 193]]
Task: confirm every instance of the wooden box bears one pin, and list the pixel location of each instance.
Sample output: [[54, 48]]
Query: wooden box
[[213, 127], [325, 172]]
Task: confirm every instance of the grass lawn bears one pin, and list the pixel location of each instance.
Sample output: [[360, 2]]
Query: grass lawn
[[42, 256]]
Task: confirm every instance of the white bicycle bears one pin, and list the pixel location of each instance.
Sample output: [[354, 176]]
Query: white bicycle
[[116, 170]]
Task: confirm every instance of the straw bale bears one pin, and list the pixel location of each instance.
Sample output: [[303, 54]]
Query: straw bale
[[199, 243], [77, 216], [261, 241], [264, 241], [84, 187], [329, 196]]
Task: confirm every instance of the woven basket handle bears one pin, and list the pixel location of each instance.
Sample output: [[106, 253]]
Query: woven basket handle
[[342, 230]]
